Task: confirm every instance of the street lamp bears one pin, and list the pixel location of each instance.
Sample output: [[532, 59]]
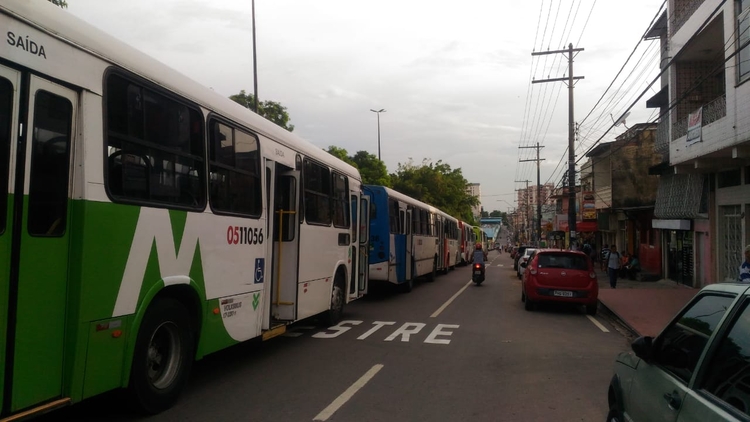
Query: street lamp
[[382, 110], [255, 63]]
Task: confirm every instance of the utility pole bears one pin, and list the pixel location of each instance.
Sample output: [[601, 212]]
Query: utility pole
[[526, 208], [571, 135], [538, 192]]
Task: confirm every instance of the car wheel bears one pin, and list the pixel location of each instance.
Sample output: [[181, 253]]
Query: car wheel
[[613, 416], [591, 309], [528, 304]]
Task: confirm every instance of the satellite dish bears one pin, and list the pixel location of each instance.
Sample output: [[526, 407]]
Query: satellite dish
[[621, 120]]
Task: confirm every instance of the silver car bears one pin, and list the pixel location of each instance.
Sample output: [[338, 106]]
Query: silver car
[[696, 369]]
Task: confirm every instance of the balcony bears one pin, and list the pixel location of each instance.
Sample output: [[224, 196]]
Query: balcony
[[712, 112], [682, 11], [661, 146]]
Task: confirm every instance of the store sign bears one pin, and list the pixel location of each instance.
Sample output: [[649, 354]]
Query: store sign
[[695, 121], [589, 206]]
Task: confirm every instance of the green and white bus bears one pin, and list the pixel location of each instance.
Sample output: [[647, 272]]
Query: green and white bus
[[146, 221]]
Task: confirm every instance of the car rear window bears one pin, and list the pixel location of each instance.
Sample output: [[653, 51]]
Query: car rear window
[[562, 260]]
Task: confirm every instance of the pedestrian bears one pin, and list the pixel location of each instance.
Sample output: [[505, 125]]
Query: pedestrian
[[613, 265], [603, 256], [745, 267]]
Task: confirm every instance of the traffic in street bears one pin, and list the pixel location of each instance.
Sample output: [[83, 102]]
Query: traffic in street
[[447, 351]]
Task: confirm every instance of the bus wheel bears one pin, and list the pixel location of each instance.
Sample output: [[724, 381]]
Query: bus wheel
[[162, 357], [433, 274], [407, 286], [338, 298]]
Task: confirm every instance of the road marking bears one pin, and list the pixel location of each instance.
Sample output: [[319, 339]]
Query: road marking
[[445, 305], [597, 323], [346, 395], [500, 265]]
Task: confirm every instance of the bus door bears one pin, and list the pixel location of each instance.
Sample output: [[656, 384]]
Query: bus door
[[442, 242], [35, 235], [409, 244], [360, 209], [285, 262]]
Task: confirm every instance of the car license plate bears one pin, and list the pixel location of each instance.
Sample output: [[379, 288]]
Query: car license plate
[[562, 293], [477, 273]]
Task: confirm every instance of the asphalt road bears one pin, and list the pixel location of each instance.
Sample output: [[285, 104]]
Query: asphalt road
[[447, 351]]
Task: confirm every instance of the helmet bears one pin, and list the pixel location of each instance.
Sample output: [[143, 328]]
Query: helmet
[[478, 246]]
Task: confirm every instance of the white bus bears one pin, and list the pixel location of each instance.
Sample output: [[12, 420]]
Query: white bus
[[404, 237], [146, 221], [449, 242]]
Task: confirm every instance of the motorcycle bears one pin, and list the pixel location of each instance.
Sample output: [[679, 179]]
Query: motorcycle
[[477, 273]]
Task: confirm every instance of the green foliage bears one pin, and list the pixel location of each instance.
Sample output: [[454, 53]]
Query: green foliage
[[341, 154], [496, 213], [371, 169], [61, 3], [438, 185], [271, 110]]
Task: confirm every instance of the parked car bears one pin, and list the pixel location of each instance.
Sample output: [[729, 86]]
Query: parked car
[[696, 369], [519, 254], [524, 259], [554, 275]]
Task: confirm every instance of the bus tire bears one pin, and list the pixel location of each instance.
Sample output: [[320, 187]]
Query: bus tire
[[338, 299], [431, 276], [162, 357], [407, 286]]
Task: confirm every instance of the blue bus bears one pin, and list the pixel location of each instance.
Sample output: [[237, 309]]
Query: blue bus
[[405, 235]]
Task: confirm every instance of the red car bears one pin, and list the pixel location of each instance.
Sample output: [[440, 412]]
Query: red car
[[554, 275]]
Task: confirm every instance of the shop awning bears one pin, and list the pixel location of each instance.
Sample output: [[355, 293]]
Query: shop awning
[[679, 196]]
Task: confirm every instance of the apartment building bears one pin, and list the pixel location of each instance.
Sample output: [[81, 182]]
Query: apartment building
[[703, 199]]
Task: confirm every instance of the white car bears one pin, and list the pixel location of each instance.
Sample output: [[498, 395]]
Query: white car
[[524, 259]]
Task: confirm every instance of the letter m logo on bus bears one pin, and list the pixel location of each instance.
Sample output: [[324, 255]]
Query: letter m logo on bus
[[155, 226]]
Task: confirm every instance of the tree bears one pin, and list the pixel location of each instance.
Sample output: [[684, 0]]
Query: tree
[[341, 154], [496, 213], [372, 170], [271, 110], [61, 3], [438, 185]]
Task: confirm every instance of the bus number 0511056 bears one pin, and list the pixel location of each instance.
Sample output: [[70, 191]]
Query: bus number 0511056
[[244, 235]]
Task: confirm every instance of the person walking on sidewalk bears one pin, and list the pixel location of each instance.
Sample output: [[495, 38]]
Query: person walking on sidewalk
[[613, 265], [745, 267]]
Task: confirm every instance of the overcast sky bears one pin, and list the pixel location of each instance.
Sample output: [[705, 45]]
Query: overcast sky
[[454, 77]]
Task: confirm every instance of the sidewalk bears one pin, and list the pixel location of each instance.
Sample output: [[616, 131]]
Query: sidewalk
[[644, 307]]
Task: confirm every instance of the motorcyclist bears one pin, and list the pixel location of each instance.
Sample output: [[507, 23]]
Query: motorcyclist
[[479, 257]]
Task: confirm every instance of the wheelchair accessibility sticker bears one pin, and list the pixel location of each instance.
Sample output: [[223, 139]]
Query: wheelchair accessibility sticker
[[260, 264]]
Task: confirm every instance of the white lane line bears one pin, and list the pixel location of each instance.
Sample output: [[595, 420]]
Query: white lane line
[[597, 323], [445, 305], [346, 395]]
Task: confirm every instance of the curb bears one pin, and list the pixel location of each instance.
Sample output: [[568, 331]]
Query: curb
[[620, 320]]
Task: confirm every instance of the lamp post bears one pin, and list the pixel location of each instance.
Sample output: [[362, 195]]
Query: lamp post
[[255, 63], [382, 110]]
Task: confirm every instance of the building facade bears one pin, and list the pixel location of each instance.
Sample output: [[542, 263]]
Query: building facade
[[703, 200]]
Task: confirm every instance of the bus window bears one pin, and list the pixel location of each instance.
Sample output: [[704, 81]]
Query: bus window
[[317, 183], [50, 163], [6, 113], [154, 146], [341, 217], [234, 182]]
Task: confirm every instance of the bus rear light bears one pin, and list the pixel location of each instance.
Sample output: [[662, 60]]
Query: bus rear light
[[116, 333], [216, 311]]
